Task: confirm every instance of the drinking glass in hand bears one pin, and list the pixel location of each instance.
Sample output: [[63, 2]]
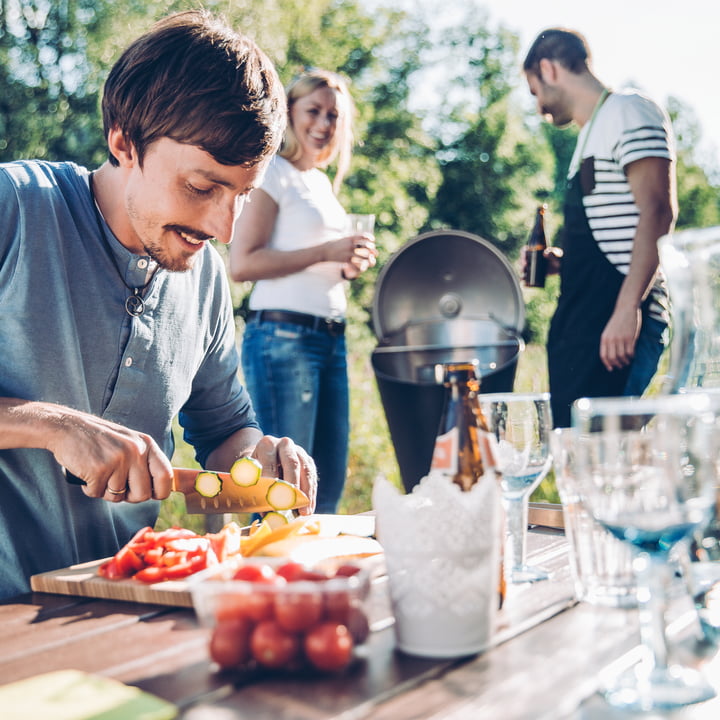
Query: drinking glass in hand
[[648, 474], [521, 426], [361, 223]]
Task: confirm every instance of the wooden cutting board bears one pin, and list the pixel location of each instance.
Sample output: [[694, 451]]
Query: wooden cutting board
[[84, 581]]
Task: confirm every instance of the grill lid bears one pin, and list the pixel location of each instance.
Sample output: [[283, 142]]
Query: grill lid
[[442, 276]]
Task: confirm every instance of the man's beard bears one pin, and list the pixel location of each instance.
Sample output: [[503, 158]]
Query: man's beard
[[558, 117], [182, 263]]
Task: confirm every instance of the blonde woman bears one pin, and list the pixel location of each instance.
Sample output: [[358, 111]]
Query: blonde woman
[[290, 239]]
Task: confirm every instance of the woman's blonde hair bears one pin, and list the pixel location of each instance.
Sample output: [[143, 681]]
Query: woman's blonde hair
[[341, 145]]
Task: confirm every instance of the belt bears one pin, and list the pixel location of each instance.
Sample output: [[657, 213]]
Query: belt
[[329, 325]]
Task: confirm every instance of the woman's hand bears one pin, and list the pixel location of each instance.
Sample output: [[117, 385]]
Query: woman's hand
[[362, 255]]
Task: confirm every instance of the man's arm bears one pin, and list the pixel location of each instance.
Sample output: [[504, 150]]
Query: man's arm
[[652, 181], [107, 456]]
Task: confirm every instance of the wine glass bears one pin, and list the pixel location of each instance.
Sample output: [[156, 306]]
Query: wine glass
[[648, 475], [520, 424]]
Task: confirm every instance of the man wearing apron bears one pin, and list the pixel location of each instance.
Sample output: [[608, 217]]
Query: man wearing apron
[[608, 331]]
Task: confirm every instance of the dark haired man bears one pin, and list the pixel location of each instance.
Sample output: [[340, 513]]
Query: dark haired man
[[608, 331], [115, 311]]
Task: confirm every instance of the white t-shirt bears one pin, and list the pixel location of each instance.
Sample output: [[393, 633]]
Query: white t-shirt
[[627, 127], [308, 214]]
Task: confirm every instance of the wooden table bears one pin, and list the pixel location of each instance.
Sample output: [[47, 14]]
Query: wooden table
[[546, 662]]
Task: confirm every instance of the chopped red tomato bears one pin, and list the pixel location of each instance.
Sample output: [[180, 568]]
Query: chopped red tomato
[[152, 556], [150, 574], [128, 561], [110, 570]]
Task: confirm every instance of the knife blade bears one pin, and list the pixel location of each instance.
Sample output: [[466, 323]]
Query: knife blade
[[232, 498]]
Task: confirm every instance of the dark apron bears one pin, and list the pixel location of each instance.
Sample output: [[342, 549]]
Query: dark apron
[[589, 287]]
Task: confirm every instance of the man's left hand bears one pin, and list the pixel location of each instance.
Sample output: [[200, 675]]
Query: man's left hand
[[282, 458]]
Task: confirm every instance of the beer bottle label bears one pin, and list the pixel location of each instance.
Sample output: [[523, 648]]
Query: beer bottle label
[[446, 452]]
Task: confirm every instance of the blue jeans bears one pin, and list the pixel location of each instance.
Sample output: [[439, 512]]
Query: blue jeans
[[649, 347], [297, 379]]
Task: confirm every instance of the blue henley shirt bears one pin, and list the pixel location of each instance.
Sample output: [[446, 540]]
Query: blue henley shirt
[[66, 338]]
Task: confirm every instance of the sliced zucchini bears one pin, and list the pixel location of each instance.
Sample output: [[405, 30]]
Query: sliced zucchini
[[281, 495], [246, 471], [275, 519], [208, 484]]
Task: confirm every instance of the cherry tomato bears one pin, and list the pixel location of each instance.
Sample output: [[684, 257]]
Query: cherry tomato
[[298, 611], [256, 573], [291, 571], [314, 576], [337, 606], [230, 607], [230, 643], [358, 625], [258, 605], [329, 646], [272, 646]]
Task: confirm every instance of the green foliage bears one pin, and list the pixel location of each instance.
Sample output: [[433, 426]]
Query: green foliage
[[48, 90], [698, 200], [539, 307]]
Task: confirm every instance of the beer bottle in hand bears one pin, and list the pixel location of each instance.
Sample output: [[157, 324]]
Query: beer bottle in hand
[[535, 261], [463, 452]]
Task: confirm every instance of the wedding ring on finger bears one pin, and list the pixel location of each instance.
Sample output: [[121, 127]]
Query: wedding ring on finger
[[117, 492]]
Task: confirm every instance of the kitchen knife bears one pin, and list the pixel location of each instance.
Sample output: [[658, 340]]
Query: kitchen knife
[[233, 498]]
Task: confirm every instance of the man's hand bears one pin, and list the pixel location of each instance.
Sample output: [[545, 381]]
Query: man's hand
[[617, 342], [114, 462], [281, 457], [553, 255], [553, 258]]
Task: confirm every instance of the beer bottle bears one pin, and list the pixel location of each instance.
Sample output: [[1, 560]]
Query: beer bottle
[[462, 451], [535, 261]]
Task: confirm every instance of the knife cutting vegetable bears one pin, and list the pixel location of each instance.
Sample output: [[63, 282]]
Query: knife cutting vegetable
[[242, 490]]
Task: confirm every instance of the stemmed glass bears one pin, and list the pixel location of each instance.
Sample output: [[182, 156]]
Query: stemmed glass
[[521, 425], [648, 474]]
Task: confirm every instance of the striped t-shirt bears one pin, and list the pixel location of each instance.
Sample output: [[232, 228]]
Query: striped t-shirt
[[627, 127]]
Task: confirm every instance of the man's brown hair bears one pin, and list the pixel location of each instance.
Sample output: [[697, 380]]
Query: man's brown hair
[[568, 47], [196, 81]]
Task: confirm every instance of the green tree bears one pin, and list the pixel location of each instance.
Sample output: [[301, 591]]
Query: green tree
[[48, 84], [698, 197], [494, 171]]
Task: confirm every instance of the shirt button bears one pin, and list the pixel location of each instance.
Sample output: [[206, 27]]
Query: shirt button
[[142, 263], [128, 362]]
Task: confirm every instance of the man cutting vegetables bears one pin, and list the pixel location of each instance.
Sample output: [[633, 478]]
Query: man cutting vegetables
[[115, 312]]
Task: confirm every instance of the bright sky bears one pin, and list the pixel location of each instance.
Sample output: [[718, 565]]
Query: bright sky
[[664, 47]]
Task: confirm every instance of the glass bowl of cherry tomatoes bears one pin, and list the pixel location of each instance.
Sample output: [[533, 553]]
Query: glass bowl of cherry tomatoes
[[281, 615]]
